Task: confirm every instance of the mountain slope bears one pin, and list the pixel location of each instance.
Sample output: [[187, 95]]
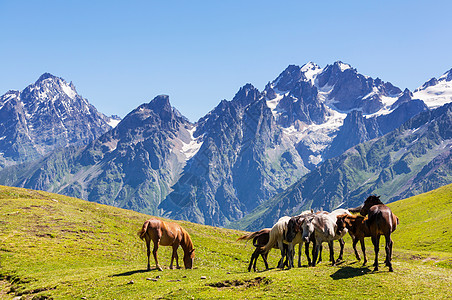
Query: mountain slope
[[410, 160], [45, 116], [57, 247]]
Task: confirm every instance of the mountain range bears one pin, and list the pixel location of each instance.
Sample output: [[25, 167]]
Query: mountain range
[[46, 116], [258, 154]]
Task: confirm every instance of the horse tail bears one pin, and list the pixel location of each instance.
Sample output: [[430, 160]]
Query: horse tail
[[143, 230], [247, 237]]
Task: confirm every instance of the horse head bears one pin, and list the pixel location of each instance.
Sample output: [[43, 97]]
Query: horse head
[[340, 222], [293, 227], [308, 228], [370, 201], [188, 258]]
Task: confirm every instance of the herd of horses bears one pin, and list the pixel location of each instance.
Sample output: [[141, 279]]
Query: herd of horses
[[374, 220]]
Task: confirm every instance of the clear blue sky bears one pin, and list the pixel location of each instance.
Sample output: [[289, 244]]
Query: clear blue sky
[[120, 54]]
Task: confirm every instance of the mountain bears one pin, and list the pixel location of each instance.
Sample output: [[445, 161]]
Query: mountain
[[413, 159], [259, 143], [131, 166], [436, 92], [237, 157], [45, 116], [243, 160]]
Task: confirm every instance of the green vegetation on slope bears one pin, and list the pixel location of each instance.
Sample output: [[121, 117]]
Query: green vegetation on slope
[[426, 222], [65, 248]]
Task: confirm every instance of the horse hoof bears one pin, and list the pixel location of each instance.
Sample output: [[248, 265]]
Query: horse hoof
[[375, 269], [391, 269], [159, 268]]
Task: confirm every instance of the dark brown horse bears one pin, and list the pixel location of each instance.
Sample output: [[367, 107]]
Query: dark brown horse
[[167, 234], [381, 221], [260, 239]]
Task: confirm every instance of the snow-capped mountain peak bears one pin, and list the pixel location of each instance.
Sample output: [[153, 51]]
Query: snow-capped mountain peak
[[436, 92]]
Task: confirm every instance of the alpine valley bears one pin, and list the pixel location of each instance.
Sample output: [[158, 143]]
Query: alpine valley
[[313, 138]]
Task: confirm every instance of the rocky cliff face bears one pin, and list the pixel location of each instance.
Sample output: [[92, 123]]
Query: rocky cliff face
[[45, 116]]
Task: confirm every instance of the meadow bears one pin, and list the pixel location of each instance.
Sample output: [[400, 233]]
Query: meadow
[[57, 247]]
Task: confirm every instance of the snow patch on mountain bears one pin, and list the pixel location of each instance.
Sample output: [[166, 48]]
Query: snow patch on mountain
[[436, 92]]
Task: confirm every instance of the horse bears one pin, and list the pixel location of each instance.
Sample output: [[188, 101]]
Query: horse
[[167, 234], [294, 227], [277, 237], [276, 240], [358, 230], [260, 239], [381, 221], [324, 227]]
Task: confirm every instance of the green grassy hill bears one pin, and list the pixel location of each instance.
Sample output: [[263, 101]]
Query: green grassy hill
[[52, 246]]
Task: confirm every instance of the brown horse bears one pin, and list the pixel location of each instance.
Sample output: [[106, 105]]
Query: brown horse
[[381, 221], [260, 239], [167, 234], [358, 230]]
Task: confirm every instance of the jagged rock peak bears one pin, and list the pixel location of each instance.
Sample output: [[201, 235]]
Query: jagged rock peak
[[46, 76], [247, 94], [160, 102], [342, 66], [447, 76]]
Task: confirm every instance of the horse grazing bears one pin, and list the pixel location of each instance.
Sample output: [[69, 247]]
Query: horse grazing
[[358, 230], [294, 230], [324, 228], [260, 239], [167, 234], [381, 221]]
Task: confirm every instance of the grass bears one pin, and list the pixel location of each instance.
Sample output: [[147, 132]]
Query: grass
[[52, 246]]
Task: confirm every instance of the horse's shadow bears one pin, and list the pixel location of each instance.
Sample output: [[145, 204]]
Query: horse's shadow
[[132, 272], [349, 272]]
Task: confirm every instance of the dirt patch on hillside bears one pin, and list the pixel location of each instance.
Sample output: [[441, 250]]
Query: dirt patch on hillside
[[241, 283]]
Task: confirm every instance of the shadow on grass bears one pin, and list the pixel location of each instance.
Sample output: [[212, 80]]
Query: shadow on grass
[[349, 272], [132, 272]]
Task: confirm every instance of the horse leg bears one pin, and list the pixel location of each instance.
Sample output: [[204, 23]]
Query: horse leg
[[320, 254], [341, 253], [363, 248], [388, 248], [330, 245], [355, 241], [253, 258], [283, 255], [154, 252], [376, 242], [291, 255], [175, 256], [306, 251], [148, 247], [300, 246], [315, 252], [288, 255], [264, 257]]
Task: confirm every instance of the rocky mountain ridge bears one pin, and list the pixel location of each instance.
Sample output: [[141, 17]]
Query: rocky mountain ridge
[[45, 116]]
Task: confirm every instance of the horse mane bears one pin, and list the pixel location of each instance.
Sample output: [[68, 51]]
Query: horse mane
[[276, 231], [187, 242], [375, 199]]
